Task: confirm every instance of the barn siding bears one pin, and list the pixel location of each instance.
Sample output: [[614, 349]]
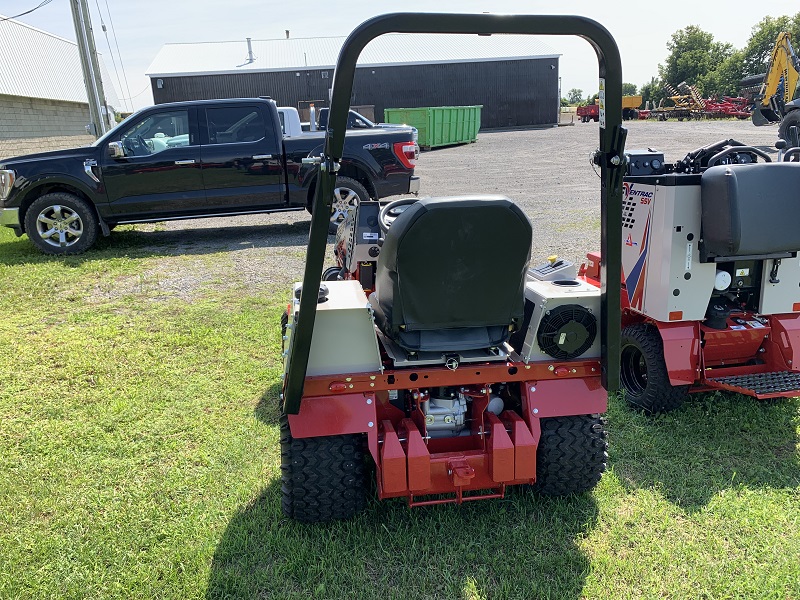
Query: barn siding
[[514, 93]]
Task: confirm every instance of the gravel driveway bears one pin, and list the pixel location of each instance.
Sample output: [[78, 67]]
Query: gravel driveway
[[546, 171]]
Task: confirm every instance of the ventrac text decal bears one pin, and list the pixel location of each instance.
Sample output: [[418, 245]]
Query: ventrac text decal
[[630, 192], [384, 145]]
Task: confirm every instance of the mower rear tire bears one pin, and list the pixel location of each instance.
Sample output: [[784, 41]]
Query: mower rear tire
[[571, 456], [643, 371], [322, 478]]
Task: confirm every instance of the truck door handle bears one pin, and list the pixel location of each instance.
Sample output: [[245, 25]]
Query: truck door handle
[[262, 156], [184, 162]]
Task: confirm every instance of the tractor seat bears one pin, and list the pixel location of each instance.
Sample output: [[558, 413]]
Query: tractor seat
[[750, 210], [451, 274]]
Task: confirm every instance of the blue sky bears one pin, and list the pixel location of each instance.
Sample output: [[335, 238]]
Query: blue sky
[[143, 26]]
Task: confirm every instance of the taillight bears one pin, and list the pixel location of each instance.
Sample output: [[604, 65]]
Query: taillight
[[407, 153]]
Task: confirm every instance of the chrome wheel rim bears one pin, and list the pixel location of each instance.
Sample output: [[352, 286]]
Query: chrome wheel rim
[[344, 200], [59, 226]]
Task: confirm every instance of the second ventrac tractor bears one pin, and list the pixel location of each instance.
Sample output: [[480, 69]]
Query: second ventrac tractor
[[429, 360]]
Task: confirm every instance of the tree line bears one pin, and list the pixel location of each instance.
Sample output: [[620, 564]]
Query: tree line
[[716, 68]]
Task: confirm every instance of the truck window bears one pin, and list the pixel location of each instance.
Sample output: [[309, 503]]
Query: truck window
[[235, 124], [356, 121], [157, 132]]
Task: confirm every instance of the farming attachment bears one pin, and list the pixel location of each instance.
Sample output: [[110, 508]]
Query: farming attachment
[[433, 356], [711, 275]]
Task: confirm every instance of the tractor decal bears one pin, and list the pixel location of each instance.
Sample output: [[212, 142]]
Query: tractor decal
[[634, 284]]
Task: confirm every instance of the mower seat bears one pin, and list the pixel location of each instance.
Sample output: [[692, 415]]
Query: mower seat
[[750, 210], [451, 274]]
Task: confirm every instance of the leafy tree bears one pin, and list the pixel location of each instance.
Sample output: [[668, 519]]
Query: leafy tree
[[592, 98], [758, 49], [653, 91], [628, 89], [724, 80], [564, 102], [717, 68], [693, 54], [574, 96]]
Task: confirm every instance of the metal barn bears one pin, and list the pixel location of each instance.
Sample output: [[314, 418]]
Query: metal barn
[[515, 78]]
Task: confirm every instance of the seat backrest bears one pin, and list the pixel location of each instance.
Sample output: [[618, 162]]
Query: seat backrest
[[451, 273], [751, 209]]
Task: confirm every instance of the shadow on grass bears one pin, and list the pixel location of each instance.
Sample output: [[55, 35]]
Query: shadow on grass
[[715, 442], [267, 408], [523, 547], [143, 244]]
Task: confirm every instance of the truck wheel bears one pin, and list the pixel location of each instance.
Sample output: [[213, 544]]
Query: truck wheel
[[792, 119], [346, 195], [322, 478], [61, 223], [571, 455], [643, 371]]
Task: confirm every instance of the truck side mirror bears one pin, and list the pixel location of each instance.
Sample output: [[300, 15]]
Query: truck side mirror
[[115, 150]]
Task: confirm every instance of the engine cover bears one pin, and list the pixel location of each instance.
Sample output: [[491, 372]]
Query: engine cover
[[565, 320]]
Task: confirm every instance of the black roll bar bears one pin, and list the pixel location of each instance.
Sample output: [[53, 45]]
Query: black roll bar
[[610, 160]]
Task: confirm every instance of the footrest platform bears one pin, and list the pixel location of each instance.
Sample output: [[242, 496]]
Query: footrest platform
[[778, 384]]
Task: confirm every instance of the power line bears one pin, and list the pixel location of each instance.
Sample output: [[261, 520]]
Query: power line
[[147, 87], [110, 51], [27, 12], [116, 43]]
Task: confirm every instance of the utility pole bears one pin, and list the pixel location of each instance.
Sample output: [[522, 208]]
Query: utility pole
[[98, 110]]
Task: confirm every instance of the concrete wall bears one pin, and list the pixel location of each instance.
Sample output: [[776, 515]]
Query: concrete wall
[[30, 125]]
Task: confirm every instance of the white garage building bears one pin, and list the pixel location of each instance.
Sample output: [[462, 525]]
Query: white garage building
[[43, 103]]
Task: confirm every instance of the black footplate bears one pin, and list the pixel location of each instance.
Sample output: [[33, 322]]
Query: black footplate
[[761, 385]]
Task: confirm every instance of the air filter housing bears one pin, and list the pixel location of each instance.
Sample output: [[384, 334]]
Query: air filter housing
[[565, 320]]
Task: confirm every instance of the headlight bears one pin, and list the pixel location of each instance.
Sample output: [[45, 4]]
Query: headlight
[[6, 182]]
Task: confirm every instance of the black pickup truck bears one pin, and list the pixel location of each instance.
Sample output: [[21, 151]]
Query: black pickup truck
[[189, 160]]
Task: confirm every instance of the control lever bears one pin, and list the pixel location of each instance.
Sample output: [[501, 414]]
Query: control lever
[[773, 274], [781, 146]]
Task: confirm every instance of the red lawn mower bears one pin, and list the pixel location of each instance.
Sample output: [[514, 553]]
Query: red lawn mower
[[435, 353]]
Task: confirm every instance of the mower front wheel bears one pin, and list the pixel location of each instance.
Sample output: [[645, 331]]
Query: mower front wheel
[[643, 371], [322, 478], [571, 456]]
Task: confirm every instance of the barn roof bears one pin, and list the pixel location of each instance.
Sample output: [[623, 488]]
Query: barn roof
[[38, 64], [296, 54]]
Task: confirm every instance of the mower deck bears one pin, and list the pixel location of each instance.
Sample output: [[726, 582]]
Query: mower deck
[[779, 384]]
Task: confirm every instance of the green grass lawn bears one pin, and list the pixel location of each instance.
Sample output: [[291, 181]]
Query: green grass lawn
[[139, 459]]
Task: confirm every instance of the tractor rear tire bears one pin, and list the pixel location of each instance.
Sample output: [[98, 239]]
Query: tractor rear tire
[[792, 119], [643, 371], [571, 455], [322, 478]]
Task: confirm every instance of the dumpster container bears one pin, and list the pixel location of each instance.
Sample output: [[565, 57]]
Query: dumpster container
[[439, 125]]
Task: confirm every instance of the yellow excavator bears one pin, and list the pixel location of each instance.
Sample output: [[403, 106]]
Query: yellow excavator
[[775, 101]]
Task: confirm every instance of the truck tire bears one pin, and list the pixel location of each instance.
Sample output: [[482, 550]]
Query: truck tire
[[346, 195], [61, 223], [791, 119], [643, 371], [571, 455], [322, 478]]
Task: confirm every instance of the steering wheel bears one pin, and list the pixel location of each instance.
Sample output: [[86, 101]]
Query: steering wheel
[[734, 150], [129, 145], [143, 144], [391, 211]]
